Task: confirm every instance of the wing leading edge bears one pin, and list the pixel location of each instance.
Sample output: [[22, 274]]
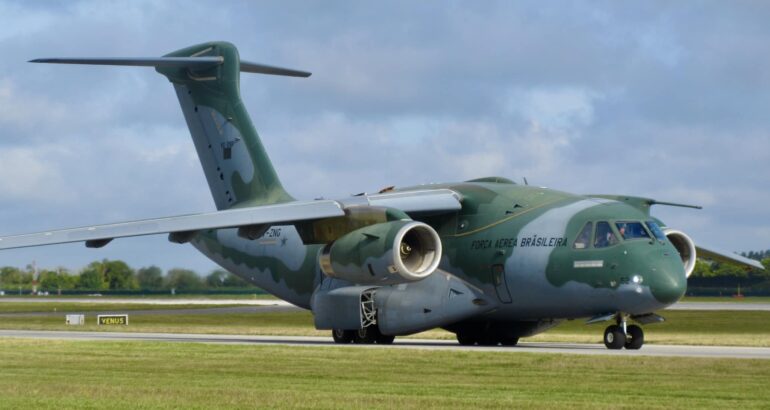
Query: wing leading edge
[[185, 226], [729, 257], [231, 218]]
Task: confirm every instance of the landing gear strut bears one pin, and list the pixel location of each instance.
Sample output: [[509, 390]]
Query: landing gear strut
[[622, 335], [369, 332], [634, 337]]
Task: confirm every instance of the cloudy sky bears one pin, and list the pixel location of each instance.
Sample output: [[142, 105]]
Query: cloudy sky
[[669, 100]]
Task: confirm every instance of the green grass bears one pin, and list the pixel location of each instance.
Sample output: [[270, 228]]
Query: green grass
[[736, 328], [116, 375]]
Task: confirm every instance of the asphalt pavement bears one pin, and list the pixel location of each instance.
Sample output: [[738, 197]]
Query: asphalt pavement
[[404, 343]]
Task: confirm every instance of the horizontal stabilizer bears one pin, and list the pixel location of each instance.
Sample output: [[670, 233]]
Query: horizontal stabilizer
[[248, 67], [192, 62], [197, 63]]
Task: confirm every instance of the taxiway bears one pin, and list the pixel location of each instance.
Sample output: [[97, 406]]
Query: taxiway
[[424, 344]]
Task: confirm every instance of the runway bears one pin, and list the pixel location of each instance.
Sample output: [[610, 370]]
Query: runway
[[403, 343], [731, 306]]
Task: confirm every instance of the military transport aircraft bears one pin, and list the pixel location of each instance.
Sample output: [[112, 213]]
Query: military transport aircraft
[[487, 259]]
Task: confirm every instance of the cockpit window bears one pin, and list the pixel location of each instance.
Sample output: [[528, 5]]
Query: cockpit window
[[584, 237], [655, 229], [604, 235], [632, 230]]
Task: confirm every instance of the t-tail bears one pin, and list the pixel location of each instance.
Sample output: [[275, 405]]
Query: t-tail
[[207, 81]]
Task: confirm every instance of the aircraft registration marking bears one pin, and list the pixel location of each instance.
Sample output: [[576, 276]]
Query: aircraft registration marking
[[588, 264]]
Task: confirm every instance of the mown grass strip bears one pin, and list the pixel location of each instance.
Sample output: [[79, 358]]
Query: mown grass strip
[[72, 374]]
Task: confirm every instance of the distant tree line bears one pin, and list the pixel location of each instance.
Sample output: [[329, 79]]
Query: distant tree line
[[116, 275]]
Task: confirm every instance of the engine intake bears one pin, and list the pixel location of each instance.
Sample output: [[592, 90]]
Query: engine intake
[[685, 246], [383, 254]]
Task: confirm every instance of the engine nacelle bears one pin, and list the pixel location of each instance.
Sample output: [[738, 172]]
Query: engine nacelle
[[383, 254], [685, 246]]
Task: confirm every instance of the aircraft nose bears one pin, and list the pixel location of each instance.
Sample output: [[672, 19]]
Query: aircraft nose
[[670, 282]]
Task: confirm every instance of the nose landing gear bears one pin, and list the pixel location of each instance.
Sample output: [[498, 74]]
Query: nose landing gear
[[621, 335]]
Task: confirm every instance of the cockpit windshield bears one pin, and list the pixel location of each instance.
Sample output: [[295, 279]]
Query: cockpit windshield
[[655, 229], [632, 230], [584, 237], [604, 236]]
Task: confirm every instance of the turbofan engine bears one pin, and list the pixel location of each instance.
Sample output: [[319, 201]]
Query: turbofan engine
[[685, 246], [383, 254]]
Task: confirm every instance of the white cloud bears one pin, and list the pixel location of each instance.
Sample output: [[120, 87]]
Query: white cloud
[[21, 20], [21, 111], [565, 109], [32, 175]]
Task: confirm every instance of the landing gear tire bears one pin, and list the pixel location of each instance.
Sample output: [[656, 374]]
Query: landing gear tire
[[466, 338], [634, 337], [366, 336], [614, 338], [489, 338], [343, 336], [509, 341]]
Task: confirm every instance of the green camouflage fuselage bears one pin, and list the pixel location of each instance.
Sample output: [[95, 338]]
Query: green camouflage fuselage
[[516, 243]]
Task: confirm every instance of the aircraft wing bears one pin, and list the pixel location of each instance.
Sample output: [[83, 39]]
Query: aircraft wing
[[100, 235], [729, 257], [437, 200]]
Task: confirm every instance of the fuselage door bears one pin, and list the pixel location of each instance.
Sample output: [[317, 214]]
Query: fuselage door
[[501, 284]]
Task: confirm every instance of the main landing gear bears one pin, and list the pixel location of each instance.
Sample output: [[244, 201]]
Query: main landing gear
[[367, 335], [621, 335], [486, 337]]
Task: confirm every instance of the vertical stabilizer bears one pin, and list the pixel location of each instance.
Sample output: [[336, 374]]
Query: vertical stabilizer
[[237, 168], [207, 81]]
